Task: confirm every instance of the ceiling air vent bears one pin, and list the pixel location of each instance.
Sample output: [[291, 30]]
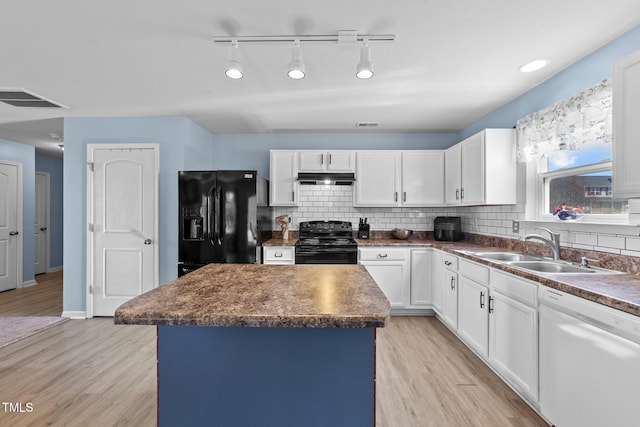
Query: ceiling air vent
[[23, 98], [367, 124]]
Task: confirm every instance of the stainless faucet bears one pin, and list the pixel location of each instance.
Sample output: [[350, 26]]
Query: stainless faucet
[[553, 243]]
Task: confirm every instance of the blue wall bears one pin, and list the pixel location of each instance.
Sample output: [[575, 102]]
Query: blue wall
[[53, 166], [251, 151], [590, 70], [25, 154], [177, 137]]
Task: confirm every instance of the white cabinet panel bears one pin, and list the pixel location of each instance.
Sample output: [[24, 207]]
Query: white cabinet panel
[[283, 187], [422, 178], [322, 161], [437, 280], [513, 345], [377, 175], [279, 254], [421, 276], [481, 170], [473, 316], [389, 267], [626, 132]]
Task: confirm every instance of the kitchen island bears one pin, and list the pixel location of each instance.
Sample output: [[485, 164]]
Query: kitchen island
[[266, 345]]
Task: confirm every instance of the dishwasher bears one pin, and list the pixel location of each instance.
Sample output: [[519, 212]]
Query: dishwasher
[[589, 362]]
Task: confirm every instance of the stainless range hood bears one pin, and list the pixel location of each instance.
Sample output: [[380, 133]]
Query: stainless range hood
[[326, 178]]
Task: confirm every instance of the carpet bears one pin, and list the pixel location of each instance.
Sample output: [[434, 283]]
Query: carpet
[[13, 329]]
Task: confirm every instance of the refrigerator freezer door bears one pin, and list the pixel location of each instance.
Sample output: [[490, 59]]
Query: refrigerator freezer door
[[195, 221]]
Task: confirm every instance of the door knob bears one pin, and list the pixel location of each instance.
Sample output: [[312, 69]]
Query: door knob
[[43, 228], [13, 233], [147, 241]]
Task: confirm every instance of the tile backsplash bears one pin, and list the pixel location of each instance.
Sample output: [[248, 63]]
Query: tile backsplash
[[335, 202]]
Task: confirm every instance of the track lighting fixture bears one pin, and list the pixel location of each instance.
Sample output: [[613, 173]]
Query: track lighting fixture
[[296, 66], [364, 70], [234, 67]]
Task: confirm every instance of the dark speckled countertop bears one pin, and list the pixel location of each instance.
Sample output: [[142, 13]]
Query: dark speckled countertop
[[254, 295], [619, 291]]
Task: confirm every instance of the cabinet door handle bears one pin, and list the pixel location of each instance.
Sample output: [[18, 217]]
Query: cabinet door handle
[[147, 241], [453, 283], [322, 159], [481, 299], [13, 233], [404, 196], [293, 196], [395, 197], [329, 158], [490, 304], [457, 194], [382, 255], [461, 193]]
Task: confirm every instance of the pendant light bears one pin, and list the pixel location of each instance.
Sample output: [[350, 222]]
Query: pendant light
[[364, 70], [296, 66], [234, 67]]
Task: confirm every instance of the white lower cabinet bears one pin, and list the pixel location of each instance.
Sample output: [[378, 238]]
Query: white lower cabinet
[[513, 331], [497, 317], [473, 315], [389, 267], [278, 255], [421, 277]]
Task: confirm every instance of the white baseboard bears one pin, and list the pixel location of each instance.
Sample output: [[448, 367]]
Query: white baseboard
[[29, 283], [76, 315], [54, 269]]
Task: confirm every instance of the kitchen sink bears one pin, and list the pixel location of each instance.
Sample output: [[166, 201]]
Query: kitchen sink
[[555, 267], [538, 263], [507, 256]]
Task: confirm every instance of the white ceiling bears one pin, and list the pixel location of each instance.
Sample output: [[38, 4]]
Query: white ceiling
[[452, 62]]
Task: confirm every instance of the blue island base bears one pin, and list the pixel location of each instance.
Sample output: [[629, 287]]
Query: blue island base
[[217, 376]]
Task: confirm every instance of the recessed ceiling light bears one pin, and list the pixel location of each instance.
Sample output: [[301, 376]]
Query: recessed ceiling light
[[533, 66]]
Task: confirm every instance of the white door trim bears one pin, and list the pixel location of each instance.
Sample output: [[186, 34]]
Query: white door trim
[[90, 214], [20, 228], [47, 177]]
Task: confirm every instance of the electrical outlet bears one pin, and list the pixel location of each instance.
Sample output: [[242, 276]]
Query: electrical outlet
[[515, 227]]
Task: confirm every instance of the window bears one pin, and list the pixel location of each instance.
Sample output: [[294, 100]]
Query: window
[[580, 179]]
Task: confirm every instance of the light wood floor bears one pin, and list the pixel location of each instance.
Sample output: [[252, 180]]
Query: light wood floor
[[92, 372]]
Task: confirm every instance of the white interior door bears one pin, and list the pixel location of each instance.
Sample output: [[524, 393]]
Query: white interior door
[[123, 216], [10, 202], [42, 221]]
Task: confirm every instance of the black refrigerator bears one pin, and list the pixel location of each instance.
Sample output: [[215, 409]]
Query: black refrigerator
[[223, 218]]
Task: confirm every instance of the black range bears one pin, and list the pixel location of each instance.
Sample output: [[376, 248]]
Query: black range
[[326, 242]]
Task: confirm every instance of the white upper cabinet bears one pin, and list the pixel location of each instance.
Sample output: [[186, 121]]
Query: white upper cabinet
[[481, 170], [453, 175], [399, 178], [423, 178], [377, 178], [283, 176], [322, 161], [626, 132]]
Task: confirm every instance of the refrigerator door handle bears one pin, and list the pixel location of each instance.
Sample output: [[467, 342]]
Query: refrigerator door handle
[[216, 219]]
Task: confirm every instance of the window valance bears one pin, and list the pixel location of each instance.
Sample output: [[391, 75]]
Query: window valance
[[567, 124]]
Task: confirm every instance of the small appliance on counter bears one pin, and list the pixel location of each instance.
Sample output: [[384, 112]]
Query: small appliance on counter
[[363, 229], [447, 228]]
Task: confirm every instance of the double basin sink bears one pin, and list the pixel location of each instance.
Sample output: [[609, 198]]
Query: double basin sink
[[538, 264]]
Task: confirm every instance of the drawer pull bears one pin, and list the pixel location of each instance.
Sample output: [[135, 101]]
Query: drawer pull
[[278, 255], [382, 255], [448, 263]]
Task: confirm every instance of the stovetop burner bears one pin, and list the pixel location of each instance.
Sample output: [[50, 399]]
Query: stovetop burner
[[325, 233], [326, 242]]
